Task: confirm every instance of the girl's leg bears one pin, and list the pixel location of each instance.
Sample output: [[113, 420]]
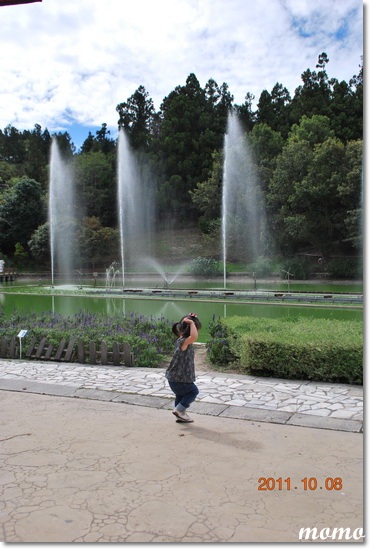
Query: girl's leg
[[178, 399], [177, 389], [189, 394]]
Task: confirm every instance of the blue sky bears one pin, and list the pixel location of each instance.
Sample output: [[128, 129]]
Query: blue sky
[[79, 133], [67, 64]]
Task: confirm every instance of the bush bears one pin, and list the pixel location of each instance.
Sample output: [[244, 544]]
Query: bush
[[150, 339], [298, 268], [218, 348], [344, 268], [262, 267], [306, 349], [205, 267]]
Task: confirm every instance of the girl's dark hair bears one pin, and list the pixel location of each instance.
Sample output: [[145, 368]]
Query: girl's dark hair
[[196, 320], [176, 329], [184, 328]]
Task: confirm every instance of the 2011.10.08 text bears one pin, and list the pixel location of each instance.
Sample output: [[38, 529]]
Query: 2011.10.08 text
[[305, 484]]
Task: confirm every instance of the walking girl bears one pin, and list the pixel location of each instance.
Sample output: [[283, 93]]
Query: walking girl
[[180, 373]]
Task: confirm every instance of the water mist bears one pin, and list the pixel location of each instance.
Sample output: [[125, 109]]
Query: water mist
[[243, 212], [135, 205], [62, 216]]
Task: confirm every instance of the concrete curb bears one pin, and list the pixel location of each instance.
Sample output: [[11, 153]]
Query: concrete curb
[[212, 409]]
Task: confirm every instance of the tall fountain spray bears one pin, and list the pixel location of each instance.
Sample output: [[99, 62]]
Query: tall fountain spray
[[62, 216], [243, 212], [135, 205]]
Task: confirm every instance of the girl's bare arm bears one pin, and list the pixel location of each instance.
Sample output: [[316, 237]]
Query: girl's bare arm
[[193, 335]]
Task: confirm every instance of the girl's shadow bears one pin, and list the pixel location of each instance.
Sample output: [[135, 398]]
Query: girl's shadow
[[228, 439]]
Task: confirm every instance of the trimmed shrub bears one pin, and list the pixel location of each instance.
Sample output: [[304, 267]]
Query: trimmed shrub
[[306, 349], [205, 267]]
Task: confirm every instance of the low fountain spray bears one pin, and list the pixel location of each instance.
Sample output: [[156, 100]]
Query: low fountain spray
[[167, 278]]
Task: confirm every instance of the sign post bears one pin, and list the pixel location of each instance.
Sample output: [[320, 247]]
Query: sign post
[[21, 334]]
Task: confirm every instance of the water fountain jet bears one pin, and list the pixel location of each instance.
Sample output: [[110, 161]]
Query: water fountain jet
[[62, 216], [135, 203], [243, 213]]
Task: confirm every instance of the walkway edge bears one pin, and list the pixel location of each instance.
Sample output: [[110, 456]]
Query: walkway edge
[[212, 409]]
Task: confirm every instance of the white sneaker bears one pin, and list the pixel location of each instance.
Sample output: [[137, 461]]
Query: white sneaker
[[182, 416]]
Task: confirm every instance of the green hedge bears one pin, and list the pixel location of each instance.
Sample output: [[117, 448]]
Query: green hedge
[[302, 348]]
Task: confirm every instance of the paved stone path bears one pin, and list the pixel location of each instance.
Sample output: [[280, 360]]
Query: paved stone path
[[316, 405]]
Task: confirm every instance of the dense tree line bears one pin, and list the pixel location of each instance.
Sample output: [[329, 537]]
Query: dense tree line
[[307, 150]]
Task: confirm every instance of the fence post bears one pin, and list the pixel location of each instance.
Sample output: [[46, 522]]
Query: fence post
[[40, 348], [60, 349], [115, 354], [4, 347], [30, 348], [92, 353], [48, 352], [80, 351], [69, 352], [128, 356], [12, 348], [103, 353]]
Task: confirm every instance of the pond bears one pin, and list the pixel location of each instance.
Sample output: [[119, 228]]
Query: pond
[[174, 308], [188, 282]]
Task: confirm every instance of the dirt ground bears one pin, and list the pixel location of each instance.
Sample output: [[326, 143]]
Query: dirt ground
[[202, 363], [201, 360]]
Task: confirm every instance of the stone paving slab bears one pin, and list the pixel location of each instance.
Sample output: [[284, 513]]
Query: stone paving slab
[[325, 423], [213, 409], [143, 400], [98, 395], [37, 387], [276, 417], [11, 384], [295, 402]]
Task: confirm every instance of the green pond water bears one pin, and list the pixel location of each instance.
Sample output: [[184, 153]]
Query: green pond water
[[173, 309]]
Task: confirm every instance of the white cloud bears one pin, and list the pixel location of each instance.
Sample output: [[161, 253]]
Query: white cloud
[[75, 60]]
